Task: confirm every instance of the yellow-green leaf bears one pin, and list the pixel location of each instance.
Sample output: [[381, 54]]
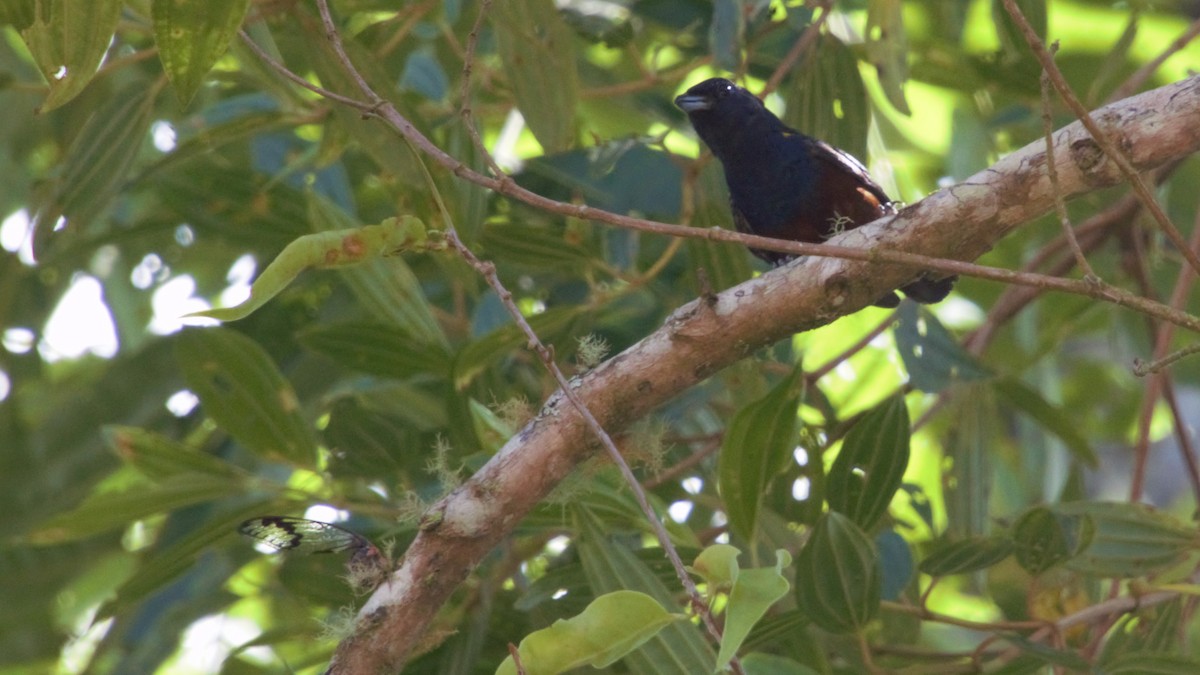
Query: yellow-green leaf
[[613, 625], [240, 387], [535, 45], [337, 248], [160, 457], [757, 446], [191, 36], [871, 464], [68, 38]]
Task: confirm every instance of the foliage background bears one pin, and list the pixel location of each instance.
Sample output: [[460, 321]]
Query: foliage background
[[373, 389]]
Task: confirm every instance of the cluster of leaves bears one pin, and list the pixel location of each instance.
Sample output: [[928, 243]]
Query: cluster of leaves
[[374, 387]]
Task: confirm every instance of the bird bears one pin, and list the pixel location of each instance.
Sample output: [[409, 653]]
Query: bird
[[786, 185]]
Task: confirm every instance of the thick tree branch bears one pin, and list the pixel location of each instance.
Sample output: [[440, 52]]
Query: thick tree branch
[[708, 334]]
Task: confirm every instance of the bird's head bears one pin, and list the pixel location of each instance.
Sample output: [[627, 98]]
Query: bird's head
[[719, 110]]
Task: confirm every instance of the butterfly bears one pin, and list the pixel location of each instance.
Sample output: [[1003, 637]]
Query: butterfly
[[367, 568]]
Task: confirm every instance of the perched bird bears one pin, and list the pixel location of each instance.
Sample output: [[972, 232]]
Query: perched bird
[[786, 185]]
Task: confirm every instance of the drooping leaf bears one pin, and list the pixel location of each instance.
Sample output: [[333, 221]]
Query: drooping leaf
[[95, 166], [1152, 663], [758, 663], [534, 247], [492, 431], [380, 349], [753, 592], [166, 563], [480, 353], [1043, 539], [757, 446], [535, 46], [887, 48], [386, 287], [17, 13], [1053, 418], [423, 74], [321, 250], [191, 36], [871, 463], [609, 567], [827, 99], [931, 355], [110, 510], [1128, 539], [838, 580], [613, 625], [726, 32], [159, 457], [967, 555], [68, 38], [240, 387]]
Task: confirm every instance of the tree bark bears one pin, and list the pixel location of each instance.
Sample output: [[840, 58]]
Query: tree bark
[[700, 338]]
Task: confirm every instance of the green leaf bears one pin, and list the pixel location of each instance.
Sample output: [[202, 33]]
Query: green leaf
[[726, 33], [387, 288], [159, 457], [1152, 663], [887, 48], [17, 13], [241, 389], [533, 246], [424, 75], [1044, 539], [871, 463], [96, 163], [68, 38], [165, 564], [757, 446], [609, 567], [536, 48], [838, 580], [1128, 540], [827, 99], [323, 250], [754, 592], [491, 431], [383, 350], [968, 555], [1058, 421], [191, 36], [481, 353], [1050, 655], [759, 663], [931, 355], [111, 510], [717, 565], [613, 625]]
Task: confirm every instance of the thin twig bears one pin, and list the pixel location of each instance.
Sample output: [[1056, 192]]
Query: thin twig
[[488, 271], [674, 471], [854, 348], [1154, 386], [1101, 138], [1060, 205], [464, 96], [1142, 74], [802, 45], [1142, 369], [296, 79]]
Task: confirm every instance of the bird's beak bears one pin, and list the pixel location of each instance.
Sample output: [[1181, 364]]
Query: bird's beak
[[693, 102]]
